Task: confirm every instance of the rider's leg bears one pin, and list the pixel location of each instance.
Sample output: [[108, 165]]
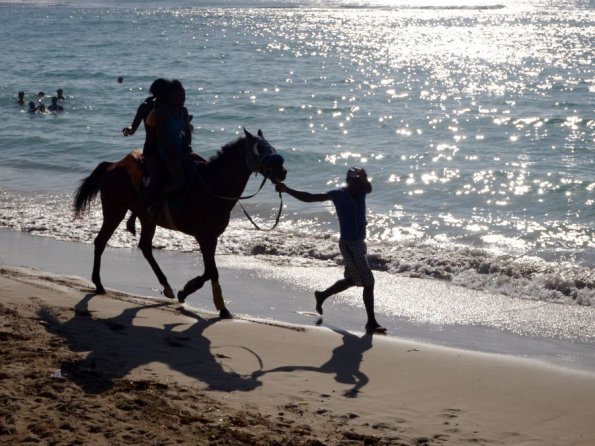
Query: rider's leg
[[176, 175]]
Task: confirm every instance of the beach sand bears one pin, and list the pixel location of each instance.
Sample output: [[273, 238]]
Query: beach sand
[[77, 368]]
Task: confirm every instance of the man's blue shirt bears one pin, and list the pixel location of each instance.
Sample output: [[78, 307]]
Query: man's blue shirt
[[351, 212]]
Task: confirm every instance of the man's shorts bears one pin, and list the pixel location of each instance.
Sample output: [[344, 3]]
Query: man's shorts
[[357, 268]]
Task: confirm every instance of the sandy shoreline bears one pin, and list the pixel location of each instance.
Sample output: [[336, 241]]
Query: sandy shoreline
[[432, 312], [115, 369]]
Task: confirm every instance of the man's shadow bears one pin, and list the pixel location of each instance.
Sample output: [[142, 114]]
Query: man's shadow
[[344, 362], [122, 343]]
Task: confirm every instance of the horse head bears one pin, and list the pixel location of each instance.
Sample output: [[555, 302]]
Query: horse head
[[261, 157]]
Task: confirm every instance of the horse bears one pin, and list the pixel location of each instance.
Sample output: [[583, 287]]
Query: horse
[[204, 214]]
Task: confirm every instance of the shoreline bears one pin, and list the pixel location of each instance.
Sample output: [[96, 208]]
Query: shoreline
[[117, 369], [427, 311]]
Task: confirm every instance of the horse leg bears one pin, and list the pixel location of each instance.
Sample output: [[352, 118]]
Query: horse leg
[[146, 245], [191, 286], [131, 223], [196, 283], [211, 273], [208, 255], [111, 220]]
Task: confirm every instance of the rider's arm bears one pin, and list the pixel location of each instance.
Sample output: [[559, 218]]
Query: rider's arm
[[302, 196], [141, 112]]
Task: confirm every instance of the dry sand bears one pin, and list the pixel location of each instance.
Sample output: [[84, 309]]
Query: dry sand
[[76, 368]]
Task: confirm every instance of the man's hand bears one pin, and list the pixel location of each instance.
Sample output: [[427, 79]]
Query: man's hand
[[306, 197], [127, 131]]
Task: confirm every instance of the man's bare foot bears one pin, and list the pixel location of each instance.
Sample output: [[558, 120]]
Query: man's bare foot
[[319, 301]]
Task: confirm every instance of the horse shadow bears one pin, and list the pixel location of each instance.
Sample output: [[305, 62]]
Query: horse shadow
[[118, 345], [344, 363]]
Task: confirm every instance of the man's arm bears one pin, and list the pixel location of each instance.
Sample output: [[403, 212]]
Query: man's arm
[[300, 195]]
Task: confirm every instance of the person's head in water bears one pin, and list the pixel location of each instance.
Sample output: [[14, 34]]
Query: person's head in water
[[21, 97], [31, 107], [60, 94], [120, 79], [40, 95], [55, 107]]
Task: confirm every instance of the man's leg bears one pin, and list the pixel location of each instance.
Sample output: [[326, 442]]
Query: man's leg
[[372, 326], [337, 287]]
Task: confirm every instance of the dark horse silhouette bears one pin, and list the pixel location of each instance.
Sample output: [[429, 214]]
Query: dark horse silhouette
[[204, 214]]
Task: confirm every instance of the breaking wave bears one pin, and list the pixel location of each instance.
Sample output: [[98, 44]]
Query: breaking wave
[[295, 244]]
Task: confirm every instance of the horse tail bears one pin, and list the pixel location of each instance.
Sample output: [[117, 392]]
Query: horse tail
[[88, 189]]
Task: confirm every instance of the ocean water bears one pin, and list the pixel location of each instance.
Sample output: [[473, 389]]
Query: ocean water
[[475, 120]]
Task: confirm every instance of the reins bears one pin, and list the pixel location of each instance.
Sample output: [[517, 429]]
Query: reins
[[276, 219], [222, 197]]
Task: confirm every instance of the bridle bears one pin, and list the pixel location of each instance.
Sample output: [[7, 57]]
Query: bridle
[[256, 162]]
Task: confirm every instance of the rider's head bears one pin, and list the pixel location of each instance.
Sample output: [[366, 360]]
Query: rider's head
[[158, 88], [176, 95]]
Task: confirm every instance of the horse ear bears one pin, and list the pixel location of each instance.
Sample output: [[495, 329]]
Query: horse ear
[[247, 133], [260, 133]]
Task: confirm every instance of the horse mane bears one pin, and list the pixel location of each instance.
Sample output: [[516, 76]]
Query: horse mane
[[227, 151]]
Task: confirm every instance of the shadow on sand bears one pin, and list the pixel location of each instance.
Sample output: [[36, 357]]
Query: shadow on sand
[[118, 345], [344, 362]]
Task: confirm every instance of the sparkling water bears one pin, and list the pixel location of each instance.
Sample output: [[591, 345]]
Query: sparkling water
[[474, 119]]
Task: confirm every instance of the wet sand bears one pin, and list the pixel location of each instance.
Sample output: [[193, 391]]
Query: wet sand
[[281, 289]]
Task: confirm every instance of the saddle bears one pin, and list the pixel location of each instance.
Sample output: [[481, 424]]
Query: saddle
[[134, 163]]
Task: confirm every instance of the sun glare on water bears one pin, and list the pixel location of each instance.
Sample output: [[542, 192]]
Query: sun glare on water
[[426, 4]]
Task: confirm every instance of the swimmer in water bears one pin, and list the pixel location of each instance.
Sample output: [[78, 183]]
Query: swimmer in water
[[55, 107]]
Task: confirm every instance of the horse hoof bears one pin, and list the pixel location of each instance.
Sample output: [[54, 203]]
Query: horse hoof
[[181, 297], [168, 292], [225, 314], [100, 290]]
